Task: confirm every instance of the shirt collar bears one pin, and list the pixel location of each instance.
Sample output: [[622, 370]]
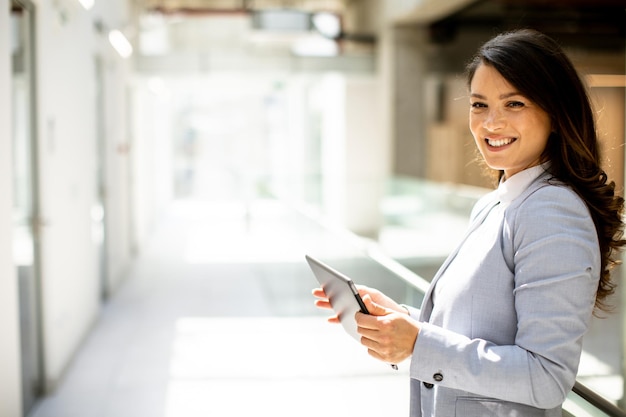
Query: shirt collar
[[510, 189]]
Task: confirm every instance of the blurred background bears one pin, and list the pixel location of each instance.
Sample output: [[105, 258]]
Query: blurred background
[[165, 165]]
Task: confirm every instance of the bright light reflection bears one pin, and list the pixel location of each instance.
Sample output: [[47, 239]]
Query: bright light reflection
[[315, 46], [120, 43], [87, 4], [328, 24], [280, 365], [254, 233]]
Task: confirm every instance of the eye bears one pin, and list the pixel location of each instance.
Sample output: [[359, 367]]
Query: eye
[[515, 104], [478, 105]]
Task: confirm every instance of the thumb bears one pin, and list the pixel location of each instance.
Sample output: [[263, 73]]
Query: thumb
[[373, 308]]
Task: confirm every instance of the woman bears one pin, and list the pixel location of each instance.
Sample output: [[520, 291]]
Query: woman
[[500, 330]]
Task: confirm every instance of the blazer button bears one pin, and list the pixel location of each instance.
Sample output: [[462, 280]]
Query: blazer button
[[438, 377], [428, 386]]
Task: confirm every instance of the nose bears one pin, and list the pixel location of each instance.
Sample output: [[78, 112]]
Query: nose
[[494, 120]]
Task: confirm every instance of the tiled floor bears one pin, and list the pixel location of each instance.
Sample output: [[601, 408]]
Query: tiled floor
[[216, 319]]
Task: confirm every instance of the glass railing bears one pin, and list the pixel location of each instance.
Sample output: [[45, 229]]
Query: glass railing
[[412, 207]]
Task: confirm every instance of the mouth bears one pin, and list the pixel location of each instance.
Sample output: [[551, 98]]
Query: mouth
[[499, 142]]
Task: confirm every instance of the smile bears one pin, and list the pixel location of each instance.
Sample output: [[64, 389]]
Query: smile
[[497, 143]]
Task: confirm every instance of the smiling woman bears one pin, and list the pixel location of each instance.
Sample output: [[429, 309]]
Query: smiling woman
[[511, 131], [500, 329], [572, 148]]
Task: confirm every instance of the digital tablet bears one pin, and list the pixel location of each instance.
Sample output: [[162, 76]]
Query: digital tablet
[[342, 294]]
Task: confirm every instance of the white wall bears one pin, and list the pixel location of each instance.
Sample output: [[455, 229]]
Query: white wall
[[151, 159], [118, 154], [66, 119], [67, 43], [10, 372]]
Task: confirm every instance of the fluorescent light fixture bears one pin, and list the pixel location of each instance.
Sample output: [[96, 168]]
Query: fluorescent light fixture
[[281, 20], [120, 43], [315, 46], [328, 24], [87, 4]]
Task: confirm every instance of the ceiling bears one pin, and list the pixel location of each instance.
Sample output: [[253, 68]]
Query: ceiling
[[222, 6], [586, 23], [596, 23], [584, 17]]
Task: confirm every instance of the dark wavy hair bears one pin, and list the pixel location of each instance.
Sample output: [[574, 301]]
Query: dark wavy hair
[[539, 69]]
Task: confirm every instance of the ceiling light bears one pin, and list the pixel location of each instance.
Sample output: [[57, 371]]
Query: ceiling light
[[328, 24], [87, 4], [283, 20], [315, 46], [120, 43]]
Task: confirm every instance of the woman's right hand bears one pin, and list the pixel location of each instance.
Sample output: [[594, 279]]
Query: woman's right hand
[[380, 298]]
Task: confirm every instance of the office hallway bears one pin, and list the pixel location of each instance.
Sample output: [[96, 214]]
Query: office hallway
[[216, 319]]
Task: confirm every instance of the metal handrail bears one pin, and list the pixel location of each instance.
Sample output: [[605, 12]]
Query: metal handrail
[[598, 401]]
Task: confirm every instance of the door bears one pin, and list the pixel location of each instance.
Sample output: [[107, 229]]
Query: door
[[26, 221], [98, 211]]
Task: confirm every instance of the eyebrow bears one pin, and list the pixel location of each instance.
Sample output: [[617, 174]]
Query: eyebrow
[[501, 97]]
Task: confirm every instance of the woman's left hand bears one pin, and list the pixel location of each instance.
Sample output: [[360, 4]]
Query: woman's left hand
[[388, 335]]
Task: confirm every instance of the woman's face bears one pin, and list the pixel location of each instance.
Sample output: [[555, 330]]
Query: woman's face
[[511, 131]]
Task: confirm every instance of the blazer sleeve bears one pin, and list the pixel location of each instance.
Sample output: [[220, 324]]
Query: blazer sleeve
[[552, 242]]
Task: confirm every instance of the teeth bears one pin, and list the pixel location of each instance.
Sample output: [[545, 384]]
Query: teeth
[[499, 142]]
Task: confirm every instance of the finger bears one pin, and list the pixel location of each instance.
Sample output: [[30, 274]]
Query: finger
[[323, 304], [378, 350], [375, 355], [368, 334], [319, 293], [366, 321], [373, 308], [373, 348], [369, 343]]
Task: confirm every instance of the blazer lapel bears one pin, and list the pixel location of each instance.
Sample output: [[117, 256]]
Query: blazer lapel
[[427, 304]]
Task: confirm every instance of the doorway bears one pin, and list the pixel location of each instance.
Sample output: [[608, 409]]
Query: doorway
[[26, 219], [98, 211]]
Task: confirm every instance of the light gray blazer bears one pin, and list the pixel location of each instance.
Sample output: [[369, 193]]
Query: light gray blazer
[[504, 318]]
